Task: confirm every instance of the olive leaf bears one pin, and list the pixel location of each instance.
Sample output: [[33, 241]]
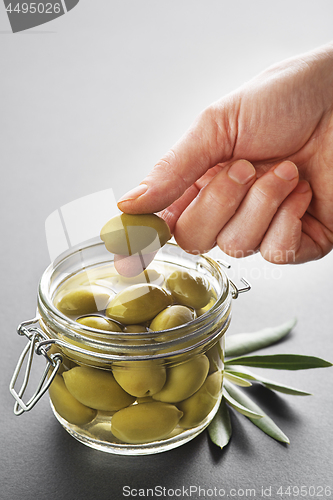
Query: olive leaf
[[220, 429], [265, 423], [280, 361], [270, 384], [243, 343], [237, 379], [283, 388], [234, 403], [234, 376]]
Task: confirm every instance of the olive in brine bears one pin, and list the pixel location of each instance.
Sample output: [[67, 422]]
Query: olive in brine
[[190, 289], [145, 422], [128, 234], [96, 388], [138, 303], [207, 307], [215, 355], [67, 406], [140, 378], [99, 323], [83, 300], [198, 406], [184, 379], [171, 317]]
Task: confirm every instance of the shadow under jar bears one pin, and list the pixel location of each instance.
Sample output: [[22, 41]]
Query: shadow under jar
[[130, 392]]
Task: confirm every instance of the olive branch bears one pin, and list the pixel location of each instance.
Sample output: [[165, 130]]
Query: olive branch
[[236, 375]]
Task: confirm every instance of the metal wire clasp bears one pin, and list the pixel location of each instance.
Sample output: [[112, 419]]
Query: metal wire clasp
[[235, 290], [38, 343]]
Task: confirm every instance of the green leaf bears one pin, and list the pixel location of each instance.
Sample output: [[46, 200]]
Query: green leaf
[[236, 379], [243, 343], [284, 388], [265, 423], [270, 384], [243, 409], [219, 429], [280, 361]]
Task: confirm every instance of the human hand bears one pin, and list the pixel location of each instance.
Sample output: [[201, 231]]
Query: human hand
[[208, 193]]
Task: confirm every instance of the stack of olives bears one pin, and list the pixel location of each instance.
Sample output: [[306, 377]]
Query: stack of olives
[[139, 401]]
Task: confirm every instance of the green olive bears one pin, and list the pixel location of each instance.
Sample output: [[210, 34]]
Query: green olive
[[184, 379], [171, 317], [99, 323], [190, 289], [67, 406], [145, 422], [216, 356], [127, 234], [83, 300], [96, 388], [198, 406], [208, 306], [140, 378], [138, 303]]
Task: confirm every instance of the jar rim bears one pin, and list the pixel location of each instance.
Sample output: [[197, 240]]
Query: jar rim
[[72, 329]]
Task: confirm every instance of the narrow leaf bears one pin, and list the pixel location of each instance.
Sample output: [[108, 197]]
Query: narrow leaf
[[284, 389], [280, 361], [270, 384], [242, 381], [243, 343], [265, 423], [219, 429], [243, 409], [240, 372]]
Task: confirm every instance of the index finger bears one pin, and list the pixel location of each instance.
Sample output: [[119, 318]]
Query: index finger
[[204, 145]]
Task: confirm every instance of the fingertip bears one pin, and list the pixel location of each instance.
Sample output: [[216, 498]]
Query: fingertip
[[285, 241], [130, 266], [242, 172], [286, 171], [126, 207], [133, 194], [302, 187]]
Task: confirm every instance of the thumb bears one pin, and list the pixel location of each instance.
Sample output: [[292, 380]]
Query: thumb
[[207, 142]]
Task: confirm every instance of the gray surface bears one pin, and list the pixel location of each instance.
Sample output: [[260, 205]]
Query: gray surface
[[91, 101]]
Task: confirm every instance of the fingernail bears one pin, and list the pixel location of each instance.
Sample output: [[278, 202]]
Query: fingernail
[[241, 171], [302, 187], [286, 171], [134, 193]]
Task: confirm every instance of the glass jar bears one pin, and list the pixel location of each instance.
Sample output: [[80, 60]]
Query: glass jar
[[128, 393]]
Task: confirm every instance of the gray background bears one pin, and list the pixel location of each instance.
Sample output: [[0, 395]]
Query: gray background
[[91, 101]]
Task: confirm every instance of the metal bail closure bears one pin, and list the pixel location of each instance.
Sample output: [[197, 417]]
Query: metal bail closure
[[235, 290], [39, 344]]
